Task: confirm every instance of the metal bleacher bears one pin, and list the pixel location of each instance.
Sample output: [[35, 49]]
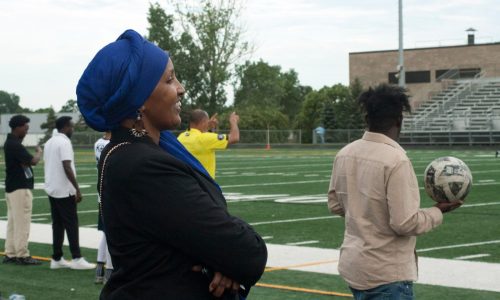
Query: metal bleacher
[[465, 113]]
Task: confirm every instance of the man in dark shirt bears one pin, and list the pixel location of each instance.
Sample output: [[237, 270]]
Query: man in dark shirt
[[18, 185]]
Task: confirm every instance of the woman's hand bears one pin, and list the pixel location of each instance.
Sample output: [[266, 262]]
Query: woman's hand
[[220, 283]]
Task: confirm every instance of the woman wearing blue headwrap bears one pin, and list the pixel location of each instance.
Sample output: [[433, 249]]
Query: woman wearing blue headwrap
[[169, 233]]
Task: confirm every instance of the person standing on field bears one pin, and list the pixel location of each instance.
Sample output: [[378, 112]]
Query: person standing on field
[[19, 182], [374, 187], [64, 194], [202, 142]]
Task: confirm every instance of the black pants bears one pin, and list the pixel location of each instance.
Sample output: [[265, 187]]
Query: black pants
[[64, 217]]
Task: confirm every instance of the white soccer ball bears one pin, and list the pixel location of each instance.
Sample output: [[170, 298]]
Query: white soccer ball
[[447, 179]]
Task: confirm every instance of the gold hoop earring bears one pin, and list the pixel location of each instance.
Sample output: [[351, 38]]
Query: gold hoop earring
[[138, 129]]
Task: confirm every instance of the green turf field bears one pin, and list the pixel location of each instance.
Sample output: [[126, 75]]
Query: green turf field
[[282, 192]]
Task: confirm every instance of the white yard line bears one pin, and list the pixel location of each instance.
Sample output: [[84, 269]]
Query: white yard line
[[480, 204], [459, 246], [274, 183], [302, 243], [38, 219], [293, 220], [433, 271], [48, 214], [442, 272], [473, 256], [46, 197]]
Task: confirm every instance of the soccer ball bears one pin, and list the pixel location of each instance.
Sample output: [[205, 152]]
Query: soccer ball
[[447, 179]]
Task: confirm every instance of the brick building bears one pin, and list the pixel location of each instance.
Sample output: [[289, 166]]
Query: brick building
[[428, 70]]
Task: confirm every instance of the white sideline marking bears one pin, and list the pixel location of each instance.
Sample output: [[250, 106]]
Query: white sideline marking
[[433, 271], [248, 174], [472, 256], [267, 237], [459, 246], [302, 243], [46, 197], [442, 272], [329, 164], [293, 220], [311, 175], [48, 214], [487, 180], [238, 197], [480, 204], [303, 199], [39, 219], [273, 183]]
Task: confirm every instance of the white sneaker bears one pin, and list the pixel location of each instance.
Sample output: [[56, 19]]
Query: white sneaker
[[59, 264], [81, 264]]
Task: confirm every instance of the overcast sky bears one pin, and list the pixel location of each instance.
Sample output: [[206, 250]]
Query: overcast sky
[[46, 44]]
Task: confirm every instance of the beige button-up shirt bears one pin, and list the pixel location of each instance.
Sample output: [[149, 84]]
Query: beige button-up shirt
[[374, 187]]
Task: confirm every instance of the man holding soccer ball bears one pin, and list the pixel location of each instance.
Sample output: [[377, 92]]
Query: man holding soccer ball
[[374, 187]]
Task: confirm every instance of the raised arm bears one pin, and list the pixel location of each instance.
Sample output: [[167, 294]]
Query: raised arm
[[234, 131]]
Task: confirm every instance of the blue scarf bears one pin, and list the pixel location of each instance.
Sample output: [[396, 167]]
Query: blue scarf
[[169, 143]]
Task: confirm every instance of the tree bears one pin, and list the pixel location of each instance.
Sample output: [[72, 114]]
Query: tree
[[259, 85], [313, 109], [185, 54], [356, 88], [328, 115], [267, 87], [49, 125], [208, 47], [43, 110], [9, 103], [70, 106], [349, 115], [253, 117], [294, 94]]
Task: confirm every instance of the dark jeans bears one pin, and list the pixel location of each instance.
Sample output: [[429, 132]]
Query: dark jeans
[[401, 290], [64, 217]]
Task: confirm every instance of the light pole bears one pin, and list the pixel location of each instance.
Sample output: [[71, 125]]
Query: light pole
[[401, 68]]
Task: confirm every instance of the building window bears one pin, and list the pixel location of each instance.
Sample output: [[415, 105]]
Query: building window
[[469, 73], [412, 77], [457, 73]]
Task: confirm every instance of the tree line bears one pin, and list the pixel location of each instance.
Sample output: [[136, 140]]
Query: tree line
[[208, 49]]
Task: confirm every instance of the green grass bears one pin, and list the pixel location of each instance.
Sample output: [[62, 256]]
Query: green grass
[[294, 172]]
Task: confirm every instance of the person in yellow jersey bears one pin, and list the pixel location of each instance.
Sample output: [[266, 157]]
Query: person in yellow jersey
[[202, 143]]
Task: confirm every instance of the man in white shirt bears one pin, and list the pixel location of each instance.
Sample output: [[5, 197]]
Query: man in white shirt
[[64, 194]]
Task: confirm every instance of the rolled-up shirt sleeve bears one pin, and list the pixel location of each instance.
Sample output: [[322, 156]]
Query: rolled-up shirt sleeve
[[334, 203], [403, 200]]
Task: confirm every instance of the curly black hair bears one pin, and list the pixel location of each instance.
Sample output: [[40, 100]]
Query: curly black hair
[[63, 121], [384, 106], [18, 121]]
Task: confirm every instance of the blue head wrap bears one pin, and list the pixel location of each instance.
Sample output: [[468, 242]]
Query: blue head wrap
[[119, 79]]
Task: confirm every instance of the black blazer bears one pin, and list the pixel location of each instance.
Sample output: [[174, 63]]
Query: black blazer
[[161, 218]]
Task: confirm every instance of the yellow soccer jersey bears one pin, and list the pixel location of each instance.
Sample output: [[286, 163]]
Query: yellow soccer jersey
[[203, 146]]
